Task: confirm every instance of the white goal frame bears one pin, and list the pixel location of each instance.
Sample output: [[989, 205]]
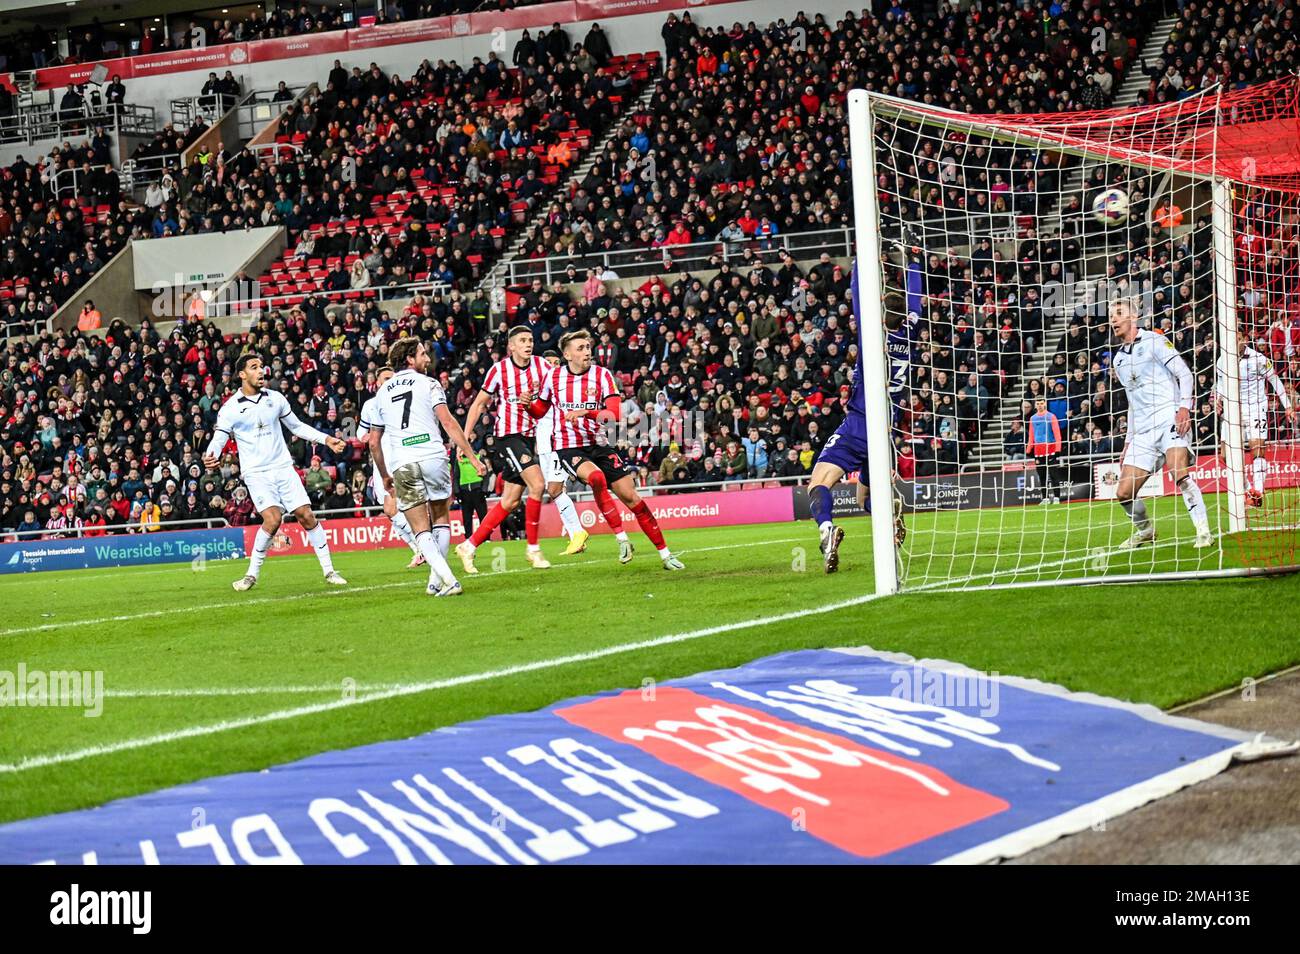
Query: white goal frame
[[863, 106]]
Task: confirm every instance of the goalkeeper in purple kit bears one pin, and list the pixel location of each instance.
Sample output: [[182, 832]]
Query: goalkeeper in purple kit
[[846, 450]]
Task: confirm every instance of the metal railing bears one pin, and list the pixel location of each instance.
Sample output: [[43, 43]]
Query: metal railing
[[639, 262], [142, 172], [110, 529], [34, 123], [260, 108], [232, 301], [208, 106], [68, 180]]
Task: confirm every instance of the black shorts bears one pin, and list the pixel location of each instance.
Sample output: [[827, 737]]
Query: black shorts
[[515, 454], [611, 463]]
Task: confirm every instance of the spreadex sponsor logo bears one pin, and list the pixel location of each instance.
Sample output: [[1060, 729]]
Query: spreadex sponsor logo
[[869, 800], [75, 906]]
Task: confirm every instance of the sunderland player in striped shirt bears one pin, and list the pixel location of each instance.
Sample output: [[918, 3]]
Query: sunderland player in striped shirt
[[369, 420], [255, 417], [586, 394], [513, 383], [554, 474]]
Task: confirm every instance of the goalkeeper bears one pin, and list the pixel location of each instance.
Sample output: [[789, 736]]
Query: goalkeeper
[[846, 450]]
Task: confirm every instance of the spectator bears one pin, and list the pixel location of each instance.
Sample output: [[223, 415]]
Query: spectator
[[1043, 444], [89, 319]]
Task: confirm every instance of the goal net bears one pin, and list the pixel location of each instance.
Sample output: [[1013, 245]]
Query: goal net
[[992, 253]]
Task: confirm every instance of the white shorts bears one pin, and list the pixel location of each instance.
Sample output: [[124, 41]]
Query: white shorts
[[552, 471], [422, 481], [277, 488], [1146, 449], [1254, 423]]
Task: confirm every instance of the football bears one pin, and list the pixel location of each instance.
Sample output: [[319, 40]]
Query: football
[[1111, 207]]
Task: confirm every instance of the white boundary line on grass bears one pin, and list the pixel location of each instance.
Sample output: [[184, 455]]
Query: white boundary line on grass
[[291, 597], [76, 755]]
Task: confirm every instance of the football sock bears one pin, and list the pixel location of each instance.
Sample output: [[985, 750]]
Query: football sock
[[600, 490], [1195, 503], [819, 501], [488, 524], [1260, 469], [532, 516], [442, 538], [1137, 511], [568, 514], [261, 543], [316, 535], [439, 571], [649, 525], [402, 528]]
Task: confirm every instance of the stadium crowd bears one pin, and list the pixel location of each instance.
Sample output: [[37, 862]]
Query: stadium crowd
[[739, 372], [1235, 45]]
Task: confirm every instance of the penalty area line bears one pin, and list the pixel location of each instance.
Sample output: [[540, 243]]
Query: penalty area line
[[229, 725]]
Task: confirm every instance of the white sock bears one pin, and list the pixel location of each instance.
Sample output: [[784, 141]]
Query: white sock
[[1260, 467], [439, 571], [568, 514], [261, 543], [317, 537], [665, 554], [825, 525], [442, 537], [621, 536], [1195, 503], [402, 528], [1137, 511]]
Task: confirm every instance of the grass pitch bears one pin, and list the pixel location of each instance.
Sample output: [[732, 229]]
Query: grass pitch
[[202, 681]]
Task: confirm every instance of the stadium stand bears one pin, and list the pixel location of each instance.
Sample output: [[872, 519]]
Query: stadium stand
[[1235, 45], [758, 347]]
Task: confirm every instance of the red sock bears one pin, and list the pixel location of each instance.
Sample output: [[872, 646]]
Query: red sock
[[649, 525], [488, 524], [600, 490], [532, 517]]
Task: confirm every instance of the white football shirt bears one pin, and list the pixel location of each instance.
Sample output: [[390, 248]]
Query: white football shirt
[[1256, 375], [1149, 370], [257, 424], [405, 410]]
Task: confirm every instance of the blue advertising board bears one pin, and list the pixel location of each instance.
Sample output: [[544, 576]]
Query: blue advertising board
[[810, 757], [132, 549]]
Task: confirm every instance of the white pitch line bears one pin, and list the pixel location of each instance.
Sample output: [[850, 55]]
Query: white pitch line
[[154, 614], [175, 610], [76, 755], [337, 686]]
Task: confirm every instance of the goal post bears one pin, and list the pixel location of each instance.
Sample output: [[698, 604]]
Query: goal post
[[1009, 237]]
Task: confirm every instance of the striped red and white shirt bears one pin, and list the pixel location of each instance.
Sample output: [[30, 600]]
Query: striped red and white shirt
[[567, 391], [510, 384]]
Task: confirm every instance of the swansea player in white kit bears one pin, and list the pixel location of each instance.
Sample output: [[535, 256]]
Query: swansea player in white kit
[[418, 471], [1255, 375], [369, 418], [255, 417], [1159, 387]]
